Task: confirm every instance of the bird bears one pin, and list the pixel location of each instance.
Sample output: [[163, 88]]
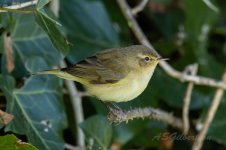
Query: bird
[[113, 75]]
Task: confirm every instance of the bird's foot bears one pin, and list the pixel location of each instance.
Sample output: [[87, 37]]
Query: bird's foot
[[116, 106]]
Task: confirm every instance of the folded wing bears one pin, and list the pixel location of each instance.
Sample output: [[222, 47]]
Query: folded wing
[[104, 67]]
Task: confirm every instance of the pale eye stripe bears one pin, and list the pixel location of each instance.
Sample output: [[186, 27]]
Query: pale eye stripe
[[142, 56]]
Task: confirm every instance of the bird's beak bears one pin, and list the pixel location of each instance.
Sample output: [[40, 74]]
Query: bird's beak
[[160, 58]]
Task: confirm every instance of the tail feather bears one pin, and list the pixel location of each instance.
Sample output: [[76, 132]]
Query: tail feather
[[58, 73], [54, 72]]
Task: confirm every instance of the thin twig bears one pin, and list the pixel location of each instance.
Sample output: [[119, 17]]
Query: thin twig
[[166, 67], [210, 115], [139, 7], [83, 94], [211, 5], [117, 116], [16, 10], [193, 70], [133, 24], [76, 99], [18, 6], [71, 147], [78, 110], [77, 107]]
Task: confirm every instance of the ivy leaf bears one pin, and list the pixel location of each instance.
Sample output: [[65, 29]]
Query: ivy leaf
[[219, 124], [98, 128], [11, 142], [41, 3], [29, 41], [49, 26], [88, 31], [39, 104]]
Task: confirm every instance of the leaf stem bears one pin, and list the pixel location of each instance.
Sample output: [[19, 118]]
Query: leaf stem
[[15, 10]]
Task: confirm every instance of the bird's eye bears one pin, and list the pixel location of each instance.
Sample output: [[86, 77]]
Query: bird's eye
[[147, 59]]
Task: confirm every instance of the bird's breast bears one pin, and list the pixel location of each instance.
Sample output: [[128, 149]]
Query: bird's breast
[[126, 89]]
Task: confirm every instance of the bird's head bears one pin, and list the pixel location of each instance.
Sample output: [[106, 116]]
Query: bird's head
[[141, 57]]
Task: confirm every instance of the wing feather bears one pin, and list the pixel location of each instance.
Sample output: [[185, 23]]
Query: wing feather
[[104, 67]]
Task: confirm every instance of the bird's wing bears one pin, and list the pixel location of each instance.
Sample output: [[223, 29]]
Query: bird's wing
[[104, 67]]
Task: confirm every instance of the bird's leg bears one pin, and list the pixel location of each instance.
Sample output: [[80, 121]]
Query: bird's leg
[[115, 106], [106, 105], [114, 112]]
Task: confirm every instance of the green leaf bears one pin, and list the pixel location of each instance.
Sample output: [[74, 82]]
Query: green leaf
[[49, 26], [37, 107], [151, 131], [224, 49], [124, 132], [197, 28], [194, 23], [98, 128], [11, 142], [171, 20], [41, 3], [119, 21], [7, 22], [217, 128], [1, 45], [88, 30], [29, 40]]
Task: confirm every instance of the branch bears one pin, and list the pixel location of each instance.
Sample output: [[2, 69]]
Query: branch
[[76, 99], [211, 5], [139, 7], [77, 107], [83, 94], [210, 115], [193, 70], [71, 147], [166, 67], [19, 6], [117, 116]]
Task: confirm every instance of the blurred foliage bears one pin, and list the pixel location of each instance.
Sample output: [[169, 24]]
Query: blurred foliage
[[186, 31], [100, 131], [94, 31], [10, 142]]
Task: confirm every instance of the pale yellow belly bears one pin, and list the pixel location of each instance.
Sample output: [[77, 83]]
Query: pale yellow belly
[[124, 90]]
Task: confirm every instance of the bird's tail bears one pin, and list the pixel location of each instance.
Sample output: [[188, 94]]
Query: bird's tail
[[58, 73], [54, 72]]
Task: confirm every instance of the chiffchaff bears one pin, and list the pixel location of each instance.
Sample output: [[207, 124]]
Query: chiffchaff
[[116, 75]]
